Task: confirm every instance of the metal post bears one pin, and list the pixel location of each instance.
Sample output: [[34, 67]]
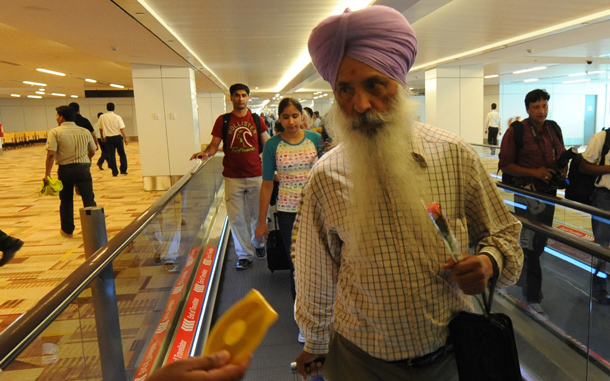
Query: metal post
[[104, 299]]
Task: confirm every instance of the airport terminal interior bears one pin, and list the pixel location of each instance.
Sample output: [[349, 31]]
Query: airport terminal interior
[[151, 269]]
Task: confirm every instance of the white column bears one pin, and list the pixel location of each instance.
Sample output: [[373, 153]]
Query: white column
[[168, 124], [211, 106], [454, 100]]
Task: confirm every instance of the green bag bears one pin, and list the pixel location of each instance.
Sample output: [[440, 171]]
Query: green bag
[[50, 187]]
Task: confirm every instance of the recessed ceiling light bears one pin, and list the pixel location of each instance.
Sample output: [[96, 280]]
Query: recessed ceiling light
[[597, 72], [34, 83], [492, 76], [531, 80], [58, 94], [73, 96], [34, 96], [16, 95], [577, 74], [537, 68], [118, 86], [90, 80], [51, 72], [40, 92]]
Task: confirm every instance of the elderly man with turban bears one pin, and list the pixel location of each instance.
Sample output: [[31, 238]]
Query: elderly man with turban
[[376, 287]]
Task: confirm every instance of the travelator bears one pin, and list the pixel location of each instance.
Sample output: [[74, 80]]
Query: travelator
[[150, 295]]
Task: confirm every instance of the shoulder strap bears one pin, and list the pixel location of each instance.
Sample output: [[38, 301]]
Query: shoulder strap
[[226, 118], [557, 129], [257, 122], [518, 134]]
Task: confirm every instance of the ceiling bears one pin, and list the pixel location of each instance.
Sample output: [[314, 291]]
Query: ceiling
[[258, 42]]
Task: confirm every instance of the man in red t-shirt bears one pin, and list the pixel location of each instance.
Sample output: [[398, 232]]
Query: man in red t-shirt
[[242, 173]]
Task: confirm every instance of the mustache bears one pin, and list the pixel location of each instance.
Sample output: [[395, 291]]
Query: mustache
[[370, 118]]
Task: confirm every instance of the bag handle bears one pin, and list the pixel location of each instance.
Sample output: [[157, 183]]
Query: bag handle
[[492, 286]]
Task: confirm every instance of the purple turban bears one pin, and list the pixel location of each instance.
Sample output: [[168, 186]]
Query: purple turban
[[378, 36]]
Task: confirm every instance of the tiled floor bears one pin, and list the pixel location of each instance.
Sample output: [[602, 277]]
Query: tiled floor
[[46, 257]]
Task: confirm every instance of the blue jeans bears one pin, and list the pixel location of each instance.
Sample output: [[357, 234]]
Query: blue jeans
[[601, 231]]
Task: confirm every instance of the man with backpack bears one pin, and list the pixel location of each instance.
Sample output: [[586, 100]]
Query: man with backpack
[[596, 162], [528, 159], [243, 135]]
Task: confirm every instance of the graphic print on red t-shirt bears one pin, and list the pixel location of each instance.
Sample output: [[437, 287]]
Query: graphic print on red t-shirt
[[242, 137], [241, 154]]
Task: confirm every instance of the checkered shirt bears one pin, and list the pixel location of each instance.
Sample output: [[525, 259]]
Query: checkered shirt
[[395, 301]]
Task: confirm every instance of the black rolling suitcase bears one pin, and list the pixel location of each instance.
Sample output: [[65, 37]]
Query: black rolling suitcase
[[277, 259]]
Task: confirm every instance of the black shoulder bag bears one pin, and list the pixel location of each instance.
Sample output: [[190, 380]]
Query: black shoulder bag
[[484, 345]]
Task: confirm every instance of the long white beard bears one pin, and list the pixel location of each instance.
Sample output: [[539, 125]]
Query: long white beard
[[381, 169]]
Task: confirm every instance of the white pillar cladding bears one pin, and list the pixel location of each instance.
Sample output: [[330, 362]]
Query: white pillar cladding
[[211, 106], [168, 122], [454, 100]]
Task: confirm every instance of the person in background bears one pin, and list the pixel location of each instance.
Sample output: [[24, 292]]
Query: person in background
[[532, 166], [242, 173], [214, 367], [112, 131], [103, 146], [83, 122], [492, 127], [592, 165], [307, 115], [291, 154], [9, 246], [72, 147], [376, 288]]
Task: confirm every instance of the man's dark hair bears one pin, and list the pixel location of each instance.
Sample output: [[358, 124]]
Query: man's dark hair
[[75, 106], [67, 112], [493, 106], [239, 86], [317, 113], [99, 113], [536, 95], [110, 106], [309, 111]]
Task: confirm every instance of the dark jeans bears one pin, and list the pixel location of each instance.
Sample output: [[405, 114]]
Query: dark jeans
[[492, 138], [532, 272], [601, 232], [115, 144], [104, 154], [71, 175], [286, 222]]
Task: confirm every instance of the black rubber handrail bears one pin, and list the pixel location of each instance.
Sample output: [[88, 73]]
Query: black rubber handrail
[[17, 336]]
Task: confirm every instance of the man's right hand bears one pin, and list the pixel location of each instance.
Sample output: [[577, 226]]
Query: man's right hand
[[310, 364], [199, 155]]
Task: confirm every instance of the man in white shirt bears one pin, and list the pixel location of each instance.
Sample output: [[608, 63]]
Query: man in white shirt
[[492, 127], [112, 129], [601, 199]]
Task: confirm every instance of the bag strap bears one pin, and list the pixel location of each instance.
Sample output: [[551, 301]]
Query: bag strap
[[226, 118], [492, 286]]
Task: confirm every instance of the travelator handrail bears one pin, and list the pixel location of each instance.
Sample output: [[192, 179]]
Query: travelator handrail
[[17, 336], [556, 200], [556, 234]]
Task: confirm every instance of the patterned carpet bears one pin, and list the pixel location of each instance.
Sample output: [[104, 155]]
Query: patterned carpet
[[46, 257]]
